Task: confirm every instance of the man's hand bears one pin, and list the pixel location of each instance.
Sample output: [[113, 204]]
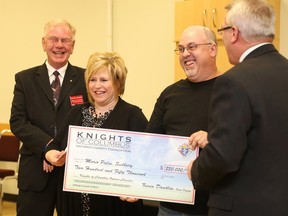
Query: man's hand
[[189, 168], [46, 167], [198, 139]]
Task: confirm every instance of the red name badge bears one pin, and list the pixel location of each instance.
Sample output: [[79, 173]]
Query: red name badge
[[77, 99]]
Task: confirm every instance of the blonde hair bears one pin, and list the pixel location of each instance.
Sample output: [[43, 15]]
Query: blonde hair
[[113, 63]]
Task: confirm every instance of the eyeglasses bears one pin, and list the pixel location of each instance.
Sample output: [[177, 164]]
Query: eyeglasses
[[220, 31], [65, 41], [190, 48]]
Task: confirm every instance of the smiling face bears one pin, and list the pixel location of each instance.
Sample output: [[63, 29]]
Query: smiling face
[[102, 89], [198, 63], [58, 44]]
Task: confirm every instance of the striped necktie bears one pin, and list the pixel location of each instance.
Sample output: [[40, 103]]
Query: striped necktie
[[56, 87]]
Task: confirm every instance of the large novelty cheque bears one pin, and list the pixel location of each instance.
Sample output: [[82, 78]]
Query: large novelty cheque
[[133, 164]]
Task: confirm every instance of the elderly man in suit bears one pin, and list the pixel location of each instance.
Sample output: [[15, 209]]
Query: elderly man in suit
[[244, 165], [41, 100]]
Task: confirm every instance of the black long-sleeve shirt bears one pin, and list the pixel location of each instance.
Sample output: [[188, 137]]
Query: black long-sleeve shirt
[[182, 109]]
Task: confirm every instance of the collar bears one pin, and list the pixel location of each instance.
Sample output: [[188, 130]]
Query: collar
[[61, 70], [248, 51]]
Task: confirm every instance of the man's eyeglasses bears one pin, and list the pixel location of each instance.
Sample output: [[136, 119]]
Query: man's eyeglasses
[[190, 48], [220, 31], [65, 41]]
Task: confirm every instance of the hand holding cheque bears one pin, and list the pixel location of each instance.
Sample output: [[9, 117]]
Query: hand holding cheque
[[56, 158]]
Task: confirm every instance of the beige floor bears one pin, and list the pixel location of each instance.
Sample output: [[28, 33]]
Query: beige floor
[[9, 209]]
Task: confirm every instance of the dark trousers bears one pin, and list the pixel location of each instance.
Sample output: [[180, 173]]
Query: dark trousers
[[42, 203]]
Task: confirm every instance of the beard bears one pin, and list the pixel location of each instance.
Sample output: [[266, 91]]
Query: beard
[[190, 72]]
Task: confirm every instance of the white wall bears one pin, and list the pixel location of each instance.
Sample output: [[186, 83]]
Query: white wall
[[143, 34]]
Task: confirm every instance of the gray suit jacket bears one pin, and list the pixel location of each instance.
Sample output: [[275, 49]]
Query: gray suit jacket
[[34, 117], [245, 163]]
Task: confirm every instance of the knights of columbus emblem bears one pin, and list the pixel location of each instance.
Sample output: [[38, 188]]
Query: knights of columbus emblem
[[184, 149]]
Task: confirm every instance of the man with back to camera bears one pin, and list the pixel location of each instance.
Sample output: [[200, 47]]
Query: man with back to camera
[[244, 165], [41, 100]]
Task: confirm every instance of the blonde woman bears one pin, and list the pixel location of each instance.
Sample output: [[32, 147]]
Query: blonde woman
[[105, 81]]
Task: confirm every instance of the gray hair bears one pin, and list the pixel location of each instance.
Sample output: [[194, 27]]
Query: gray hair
[[57, 22], [207, 31], [254, 18]]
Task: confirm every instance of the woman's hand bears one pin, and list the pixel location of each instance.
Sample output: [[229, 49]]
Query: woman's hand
[[129, 199]]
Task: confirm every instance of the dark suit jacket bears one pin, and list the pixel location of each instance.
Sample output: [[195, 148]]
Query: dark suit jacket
[[245, 163], [33, 118]]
